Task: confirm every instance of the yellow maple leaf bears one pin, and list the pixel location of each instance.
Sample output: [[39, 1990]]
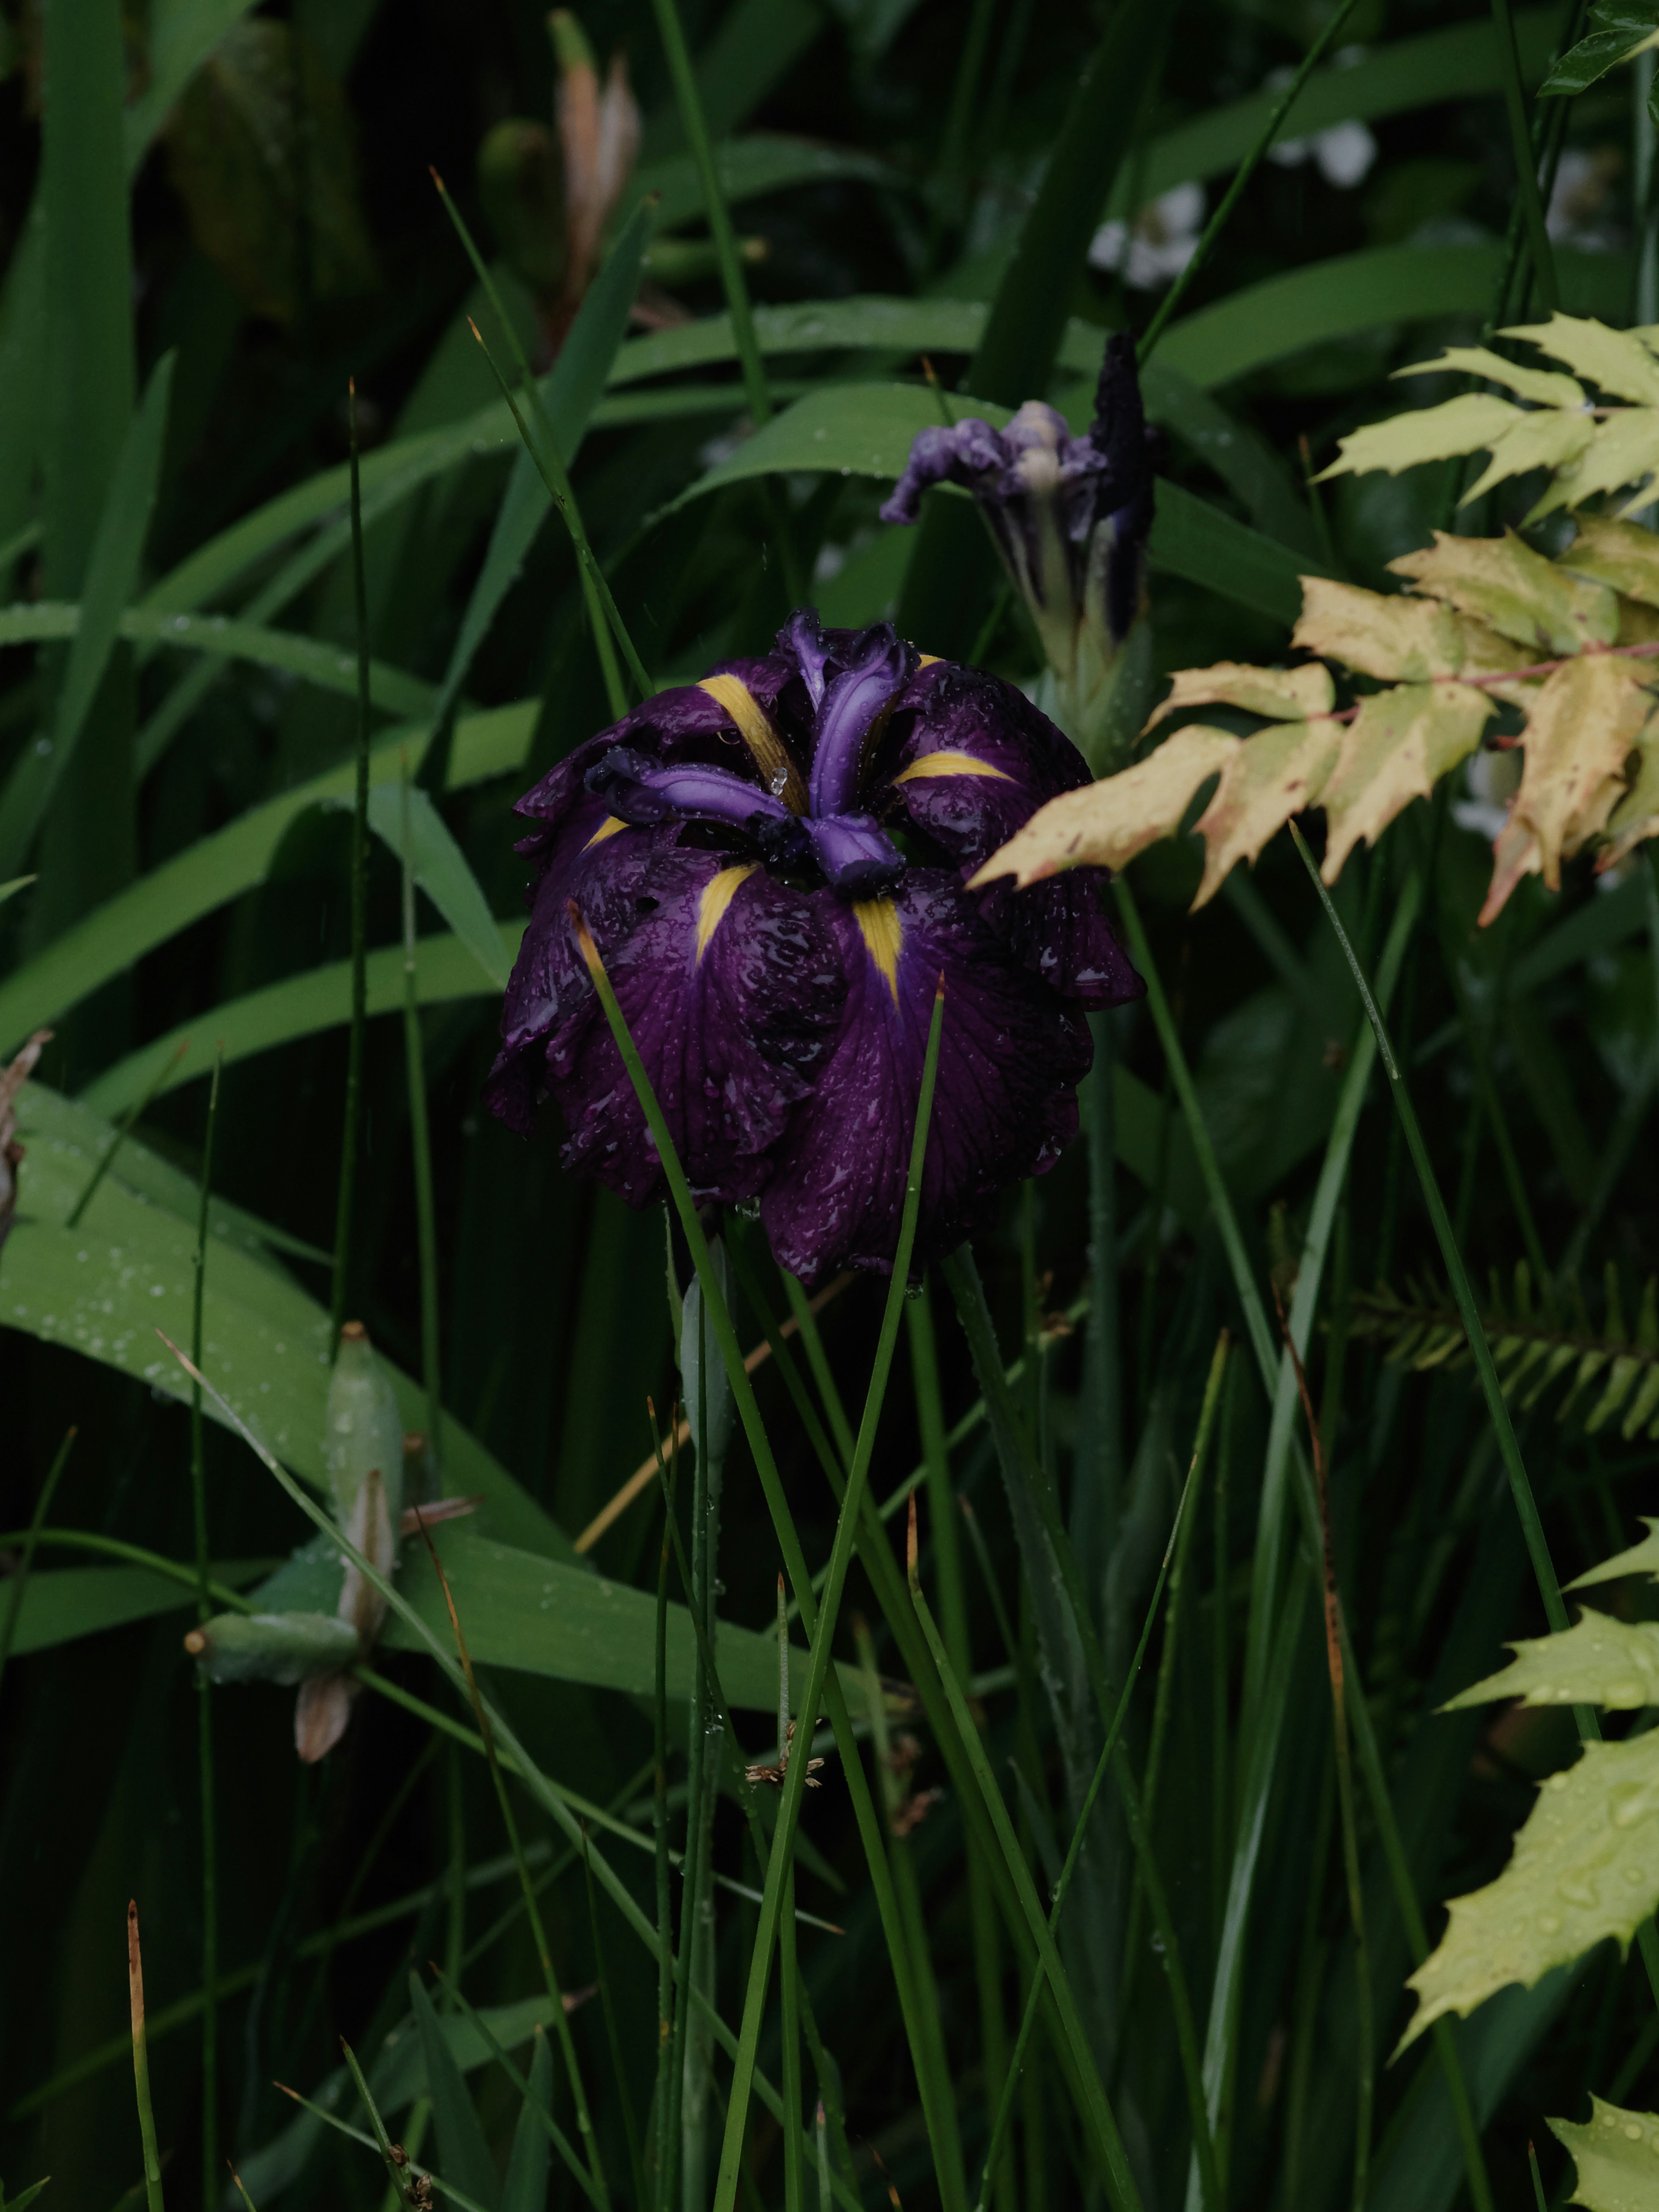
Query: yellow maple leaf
[[1272, 776], [1502, 581], [1585, 719], [1396, 749], [1106, 824], [1287, 695]]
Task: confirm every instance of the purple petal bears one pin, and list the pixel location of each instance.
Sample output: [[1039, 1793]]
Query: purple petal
[[641, 791], [1011, 1056], [803, 636], [856, 853], [874, 666], [970, 760], [964, 453], [593, 859], [731, 985]]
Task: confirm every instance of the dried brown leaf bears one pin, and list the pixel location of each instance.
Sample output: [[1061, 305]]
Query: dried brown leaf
[[1106, 824], [1288, 694], [12, 1080]]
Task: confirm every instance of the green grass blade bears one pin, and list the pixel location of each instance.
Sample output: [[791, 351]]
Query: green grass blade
[[153, 2196], [1539, 251], [464, 2153], [209, 1813], [411, 827], [19, 1577], [1108, 2143], [357, 884], [524, 2189], [415, 1075], [112, 576]]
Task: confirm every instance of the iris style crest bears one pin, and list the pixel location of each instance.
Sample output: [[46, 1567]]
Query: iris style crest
[[772, 865]]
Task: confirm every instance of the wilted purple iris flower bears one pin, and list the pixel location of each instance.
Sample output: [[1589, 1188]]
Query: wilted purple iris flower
[[772, 864], [1070, 517]]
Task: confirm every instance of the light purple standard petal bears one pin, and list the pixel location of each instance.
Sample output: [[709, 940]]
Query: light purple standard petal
[[874, 666], [1011, 1056], [731, 985], [962, 455], [803, 636], [642, 790]]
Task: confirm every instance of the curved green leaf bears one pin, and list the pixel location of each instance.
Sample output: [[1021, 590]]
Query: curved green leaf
[[440, 868], [748, 168], [105, 1288], [446, 968], [220, 867], [66, 1603]]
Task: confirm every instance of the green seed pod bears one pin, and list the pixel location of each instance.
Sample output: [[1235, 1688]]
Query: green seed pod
[[365, 1429], [271, 1647]]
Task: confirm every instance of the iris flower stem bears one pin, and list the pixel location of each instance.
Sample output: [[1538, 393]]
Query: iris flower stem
[[828, 1686], [757, 389], [597, 619], [203, 1686], [359, 874], [1247, 169], [1526, 1505]]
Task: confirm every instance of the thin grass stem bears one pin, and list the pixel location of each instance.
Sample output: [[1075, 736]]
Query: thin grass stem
[[203, 1686], [358, 867], [598, 623], [153, 2196], [555, 2134], [17, 1583], [660, 1823], [551, 469], [123, 1130], [1247, 168], [420, 1137], [1526, 158]]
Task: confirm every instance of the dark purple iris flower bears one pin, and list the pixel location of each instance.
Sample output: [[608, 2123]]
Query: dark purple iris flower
[[1070, 517], [772, 865]]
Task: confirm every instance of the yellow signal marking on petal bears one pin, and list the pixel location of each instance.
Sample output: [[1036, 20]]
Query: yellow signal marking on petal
[[949, 763], [884, 934], [930, 660], [608, 827], [718, 893], [766, 748]]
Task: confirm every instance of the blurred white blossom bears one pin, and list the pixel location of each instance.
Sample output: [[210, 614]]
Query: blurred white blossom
[[1160, 242]]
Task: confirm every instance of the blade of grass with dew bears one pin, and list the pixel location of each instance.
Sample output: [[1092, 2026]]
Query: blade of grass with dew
[[358, 872], [1526, 1505], [940, 2106], [18, 1579], [208, 1793], [509, 1821], [818, 1668], [660, 1815], [547, 1794], [1108, 2143], [153, 2196], [421, 1147]]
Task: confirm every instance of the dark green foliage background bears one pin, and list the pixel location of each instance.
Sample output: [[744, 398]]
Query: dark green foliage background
[[555, 1321]]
